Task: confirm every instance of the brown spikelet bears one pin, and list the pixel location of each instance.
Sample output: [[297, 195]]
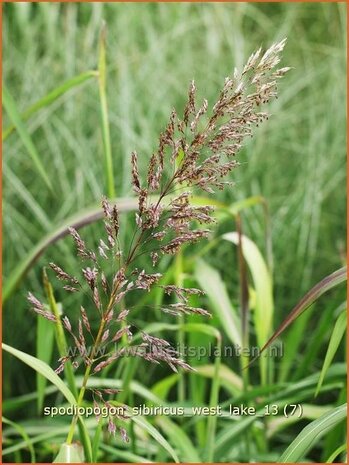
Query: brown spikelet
[[190, 106], [85, 319], [154, 173], [39, 308], [202, 110], [111, 427], [109, 360], [62, 275], [106, 208], [66, 323], [105, 335], [135, 174], [104, 282], [80, 244], [118, 335], [122, 315], [115, 221], [181, 308], [96, 298], [123, 435], [90, 275], [70, 288], [60, 368]]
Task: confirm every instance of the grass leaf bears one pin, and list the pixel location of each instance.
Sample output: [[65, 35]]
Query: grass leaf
[[104, 113], [264, 308], [180, 439], [124, 454], [215, 384], [162, 387], [96, 441], [312, 433], [144, 424], [336, 337], [42, 368], [335, 454], [24, 435], [331, 281], [211, 282], [228, 378], [44, 348], [46, 371], [51, 97], [11, 109], [49, 433], [263, 313]]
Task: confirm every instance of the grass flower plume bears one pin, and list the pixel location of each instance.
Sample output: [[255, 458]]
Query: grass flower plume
[[196, 151]]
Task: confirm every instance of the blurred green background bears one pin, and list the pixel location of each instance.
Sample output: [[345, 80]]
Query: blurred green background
[[296, 161]]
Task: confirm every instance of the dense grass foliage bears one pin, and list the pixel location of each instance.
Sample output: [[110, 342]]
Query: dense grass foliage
[[293, 169]]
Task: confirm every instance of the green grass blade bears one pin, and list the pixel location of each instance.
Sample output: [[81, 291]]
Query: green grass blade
[[318, 336], [50, 98], [229, 380], [215, 385], [42, 368], [213, 402], [24, 435], [244, 305], [144, 424], [96, 441], [263, 313], [248, 202], [11, 109], [294, 393], [329, 282], [264, 308], [337, 435], [44, 349], [36, 439], [104, 113], [336, 337], [180, 440], [202, 328], [312, 433], [335, 454], [162, 387], [309, 412], [124, 454], [46, 371], [211, 282]]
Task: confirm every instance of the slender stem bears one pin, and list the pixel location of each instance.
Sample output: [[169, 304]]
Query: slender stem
[[181, 321], [93, 354], [84, 382], [244, 304], [212, 419], [104, 113], [60, 336]]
